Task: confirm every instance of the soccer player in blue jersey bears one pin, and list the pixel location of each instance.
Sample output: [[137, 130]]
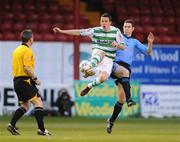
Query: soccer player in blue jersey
[[121, 68]]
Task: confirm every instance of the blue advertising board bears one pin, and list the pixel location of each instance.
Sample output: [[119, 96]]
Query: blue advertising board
[[163, 67]]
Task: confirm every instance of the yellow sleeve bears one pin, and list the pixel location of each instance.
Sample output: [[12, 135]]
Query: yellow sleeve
[[28, 60]]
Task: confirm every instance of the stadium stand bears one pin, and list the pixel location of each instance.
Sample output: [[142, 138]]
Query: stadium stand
[[162, 17]]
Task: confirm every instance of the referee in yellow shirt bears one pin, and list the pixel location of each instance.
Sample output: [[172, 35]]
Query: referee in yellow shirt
[[25, 82]]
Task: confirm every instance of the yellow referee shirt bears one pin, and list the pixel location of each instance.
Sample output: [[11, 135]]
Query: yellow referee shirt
[[22, 57]]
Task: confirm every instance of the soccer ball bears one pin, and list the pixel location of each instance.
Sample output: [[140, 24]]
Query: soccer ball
[[85, 68], [82, 65]]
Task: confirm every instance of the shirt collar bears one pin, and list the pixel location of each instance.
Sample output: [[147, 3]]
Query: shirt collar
[[128, 37], [25, 44]]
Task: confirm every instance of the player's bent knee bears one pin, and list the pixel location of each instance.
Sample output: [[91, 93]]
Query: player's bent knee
[[103, 76], [37, 102], [125, 73], [25, 106]]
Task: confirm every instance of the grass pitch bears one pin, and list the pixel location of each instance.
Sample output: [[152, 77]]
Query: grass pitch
[[94, 130]]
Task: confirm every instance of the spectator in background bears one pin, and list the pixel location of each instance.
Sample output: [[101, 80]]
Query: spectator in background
[[64, 103]]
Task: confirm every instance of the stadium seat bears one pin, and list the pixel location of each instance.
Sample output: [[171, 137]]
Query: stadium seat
[[140, 37], [136, 19], [41, 8], [162, 30], [175, 3], [68, 10], [58, 24], [177, 30], [166, 39], [1, 36], [157, 11], [157, 20], [18, 27], [144, 20], [166, 2], [153, 3], [120, 2], [131, 3], [7, 16], [60, 37], [84, 19], [170, 21], [107, 2], [84, 25], [71, 38], [168, 12], [143, 3], [45, 27], [121, 18], [68, 18], [58, 18], [5, 6], [176, 39], [157, 39], [38, 36], [48, 36], [7, 26], [148, 29], [133, 11], [33, 18], [9, 36], [171, 29], [85, 39], [177, 21], [17, 6], [33, 26], [121, 11], [145, 11], [45, 18], [20, 17], [108, 8], [29, 7], [69, 26], [54, 9], [139, 29]]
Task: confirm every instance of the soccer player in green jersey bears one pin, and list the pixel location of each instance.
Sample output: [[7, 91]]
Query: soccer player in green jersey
[[104, 48]]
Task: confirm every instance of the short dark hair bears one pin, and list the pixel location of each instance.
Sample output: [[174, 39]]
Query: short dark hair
[[26, 35], [131, 21], [107, 15]]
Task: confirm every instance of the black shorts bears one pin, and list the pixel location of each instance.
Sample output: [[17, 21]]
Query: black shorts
[[127, 66], [25, 89]]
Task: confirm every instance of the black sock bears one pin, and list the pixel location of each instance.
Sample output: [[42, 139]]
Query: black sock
[[39, 115], [126, 86], [116, 111], [17, 115]]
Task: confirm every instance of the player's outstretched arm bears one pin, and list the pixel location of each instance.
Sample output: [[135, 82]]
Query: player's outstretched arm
[[68, 32], [150, 40]]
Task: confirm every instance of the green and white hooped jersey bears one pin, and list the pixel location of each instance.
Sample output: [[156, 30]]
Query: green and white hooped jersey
[[103, 39]]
